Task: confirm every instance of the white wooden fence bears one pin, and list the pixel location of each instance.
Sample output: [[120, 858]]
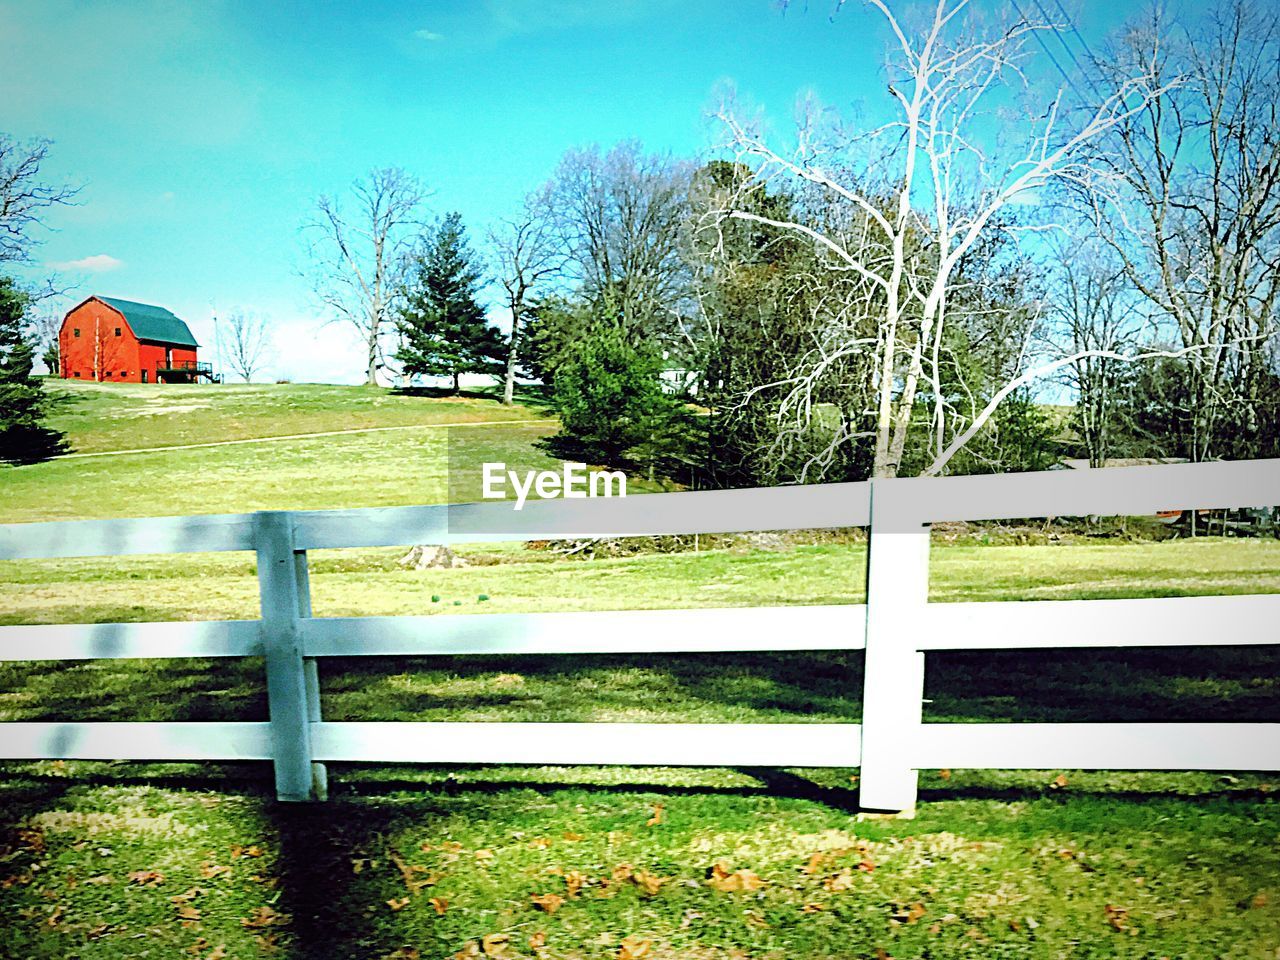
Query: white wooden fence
[[896, 627]]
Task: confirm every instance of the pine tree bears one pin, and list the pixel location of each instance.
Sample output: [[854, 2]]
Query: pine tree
[[23, 404], [443, 332]]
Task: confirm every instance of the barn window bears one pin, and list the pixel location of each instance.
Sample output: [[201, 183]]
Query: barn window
[[117, 331], [124, 373], [77, 374], [144, 376], [77, 331]]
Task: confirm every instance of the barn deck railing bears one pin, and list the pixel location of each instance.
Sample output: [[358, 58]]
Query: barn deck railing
[[896, 627]]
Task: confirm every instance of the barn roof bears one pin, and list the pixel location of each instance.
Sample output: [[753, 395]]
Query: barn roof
[[149, 322]]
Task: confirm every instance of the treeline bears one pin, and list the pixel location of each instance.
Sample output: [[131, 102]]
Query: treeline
[[25, 196], [906, 294]]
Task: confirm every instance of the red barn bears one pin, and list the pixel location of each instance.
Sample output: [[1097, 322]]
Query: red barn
[[122, 341]]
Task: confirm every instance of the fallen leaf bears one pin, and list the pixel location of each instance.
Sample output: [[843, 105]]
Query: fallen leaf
[[573, 882], [1117, 917], [547, 902], [736, 882], [814, 863], [633, 948], [1058, 782], [908, 914], [538, 941], [265, 917], [404, 953], [238, 851], [573, 837], [540, 843], [812, 908], [210, 871], [469, 949], [439, 904], [648, 882], [882, 954], [146, 878], [412, 873], [495, 944], [838, 883], [218, 953], [398, 903], [657, 816], [187, 897], [484, 855], [188, 912]]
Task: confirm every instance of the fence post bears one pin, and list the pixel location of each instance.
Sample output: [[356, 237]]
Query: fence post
[[285, 597], [310, 670], [893, 682]]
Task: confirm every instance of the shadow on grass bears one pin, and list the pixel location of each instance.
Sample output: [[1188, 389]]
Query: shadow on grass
[[533, 397], [1102, 686]]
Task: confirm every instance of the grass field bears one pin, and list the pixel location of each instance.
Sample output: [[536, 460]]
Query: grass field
[[105, 416], [103, 861], [404, 465]]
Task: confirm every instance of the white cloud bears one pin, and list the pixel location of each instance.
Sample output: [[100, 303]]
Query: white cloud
[[428, 35], [98, 263], [1025, 198]]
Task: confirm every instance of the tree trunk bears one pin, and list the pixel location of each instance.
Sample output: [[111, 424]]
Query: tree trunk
[[509, 384], [457, 382]]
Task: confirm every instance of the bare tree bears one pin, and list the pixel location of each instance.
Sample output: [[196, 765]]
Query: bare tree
[[358, 258], [899, 210], [248, 342], [1094, 313], [24, 197], [527, 253], [48, 326], [1187, 193], [620, 218]]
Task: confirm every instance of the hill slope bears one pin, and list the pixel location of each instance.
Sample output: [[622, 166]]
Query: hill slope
[[335, 467], [125, 416]]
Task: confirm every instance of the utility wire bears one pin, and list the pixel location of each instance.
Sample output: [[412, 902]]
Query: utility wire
[[1054, 27], [1088, 74], [1071, 23], [1045, 47]]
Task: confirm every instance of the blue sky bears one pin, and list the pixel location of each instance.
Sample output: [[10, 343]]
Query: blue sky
[[202, 132]]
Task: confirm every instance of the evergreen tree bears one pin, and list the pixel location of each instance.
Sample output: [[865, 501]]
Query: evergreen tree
[[23, 404], [443, 332]]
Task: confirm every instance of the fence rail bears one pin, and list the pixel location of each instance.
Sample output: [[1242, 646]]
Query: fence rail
[[896, 627]]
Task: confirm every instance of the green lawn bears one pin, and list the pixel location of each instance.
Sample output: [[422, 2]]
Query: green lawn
[[120, 416], [104, 861]]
